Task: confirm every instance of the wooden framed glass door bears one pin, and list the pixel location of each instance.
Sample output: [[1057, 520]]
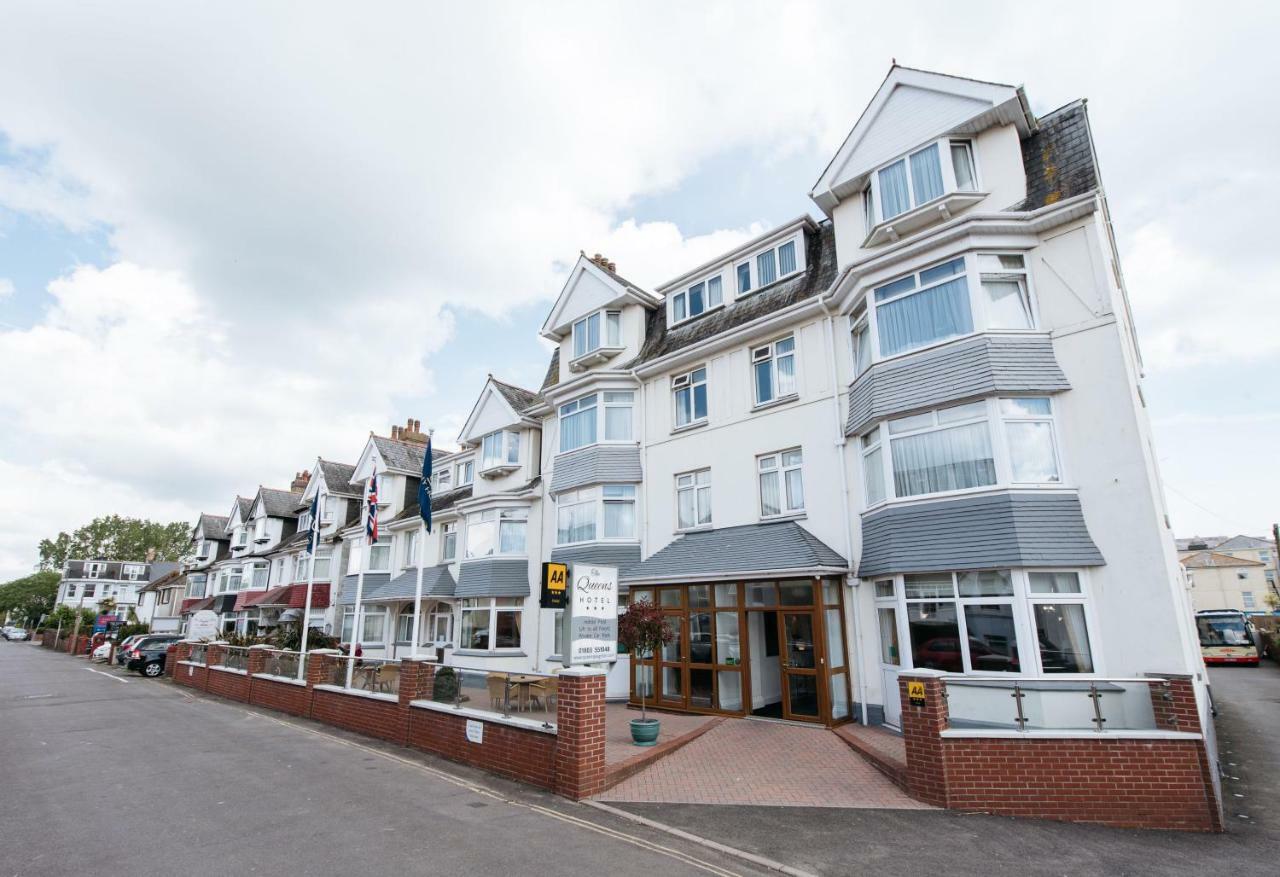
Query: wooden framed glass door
[[801, 689]]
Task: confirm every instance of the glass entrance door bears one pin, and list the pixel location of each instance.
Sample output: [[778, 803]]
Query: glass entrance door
[[801, 694]]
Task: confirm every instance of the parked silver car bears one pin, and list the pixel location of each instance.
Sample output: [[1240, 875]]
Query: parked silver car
[[18, 633]]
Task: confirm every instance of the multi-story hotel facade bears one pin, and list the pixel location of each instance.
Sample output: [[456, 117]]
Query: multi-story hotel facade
[[909, 433]]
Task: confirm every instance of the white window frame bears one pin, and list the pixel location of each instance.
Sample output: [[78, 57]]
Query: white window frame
[[508, 449], [241, 539], [592, 501], [680, 304], [861, 346], [874, 213], [466, 473], [773, 463], [612, 400], [769, 353], [1006, 273], [602, 401], [608, 329], [444, 479], [132, 571], [410, 555], [448, 540], [1004, 445], [870, 444], [693, 482], [494, 605], [326, 509], [384, 541], [687, 384], [498, 517], [93, 570], [752, 264], [260, 529]]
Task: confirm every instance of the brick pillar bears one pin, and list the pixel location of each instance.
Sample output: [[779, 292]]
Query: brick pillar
[[580, 732], [1173, 700], [213, 654], [257, 659], [922, 726], [170, 660], [417, 675]]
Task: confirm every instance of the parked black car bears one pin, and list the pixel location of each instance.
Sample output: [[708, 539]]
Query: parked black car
[[147, 655]]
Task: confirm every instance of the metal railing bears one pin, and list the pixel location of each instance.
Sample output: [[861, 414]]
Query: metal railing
[[523, 695], [1029, 705], [290, 665], [235, 658], [376, 675], [198, 653]]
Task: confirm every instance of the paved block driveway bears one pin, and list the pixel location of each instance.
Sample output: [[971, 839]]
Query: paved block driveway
[[742, 761]]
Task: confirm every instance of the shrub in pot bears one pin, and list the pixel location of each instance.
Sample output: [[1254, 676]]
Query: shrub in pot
[[643, 629]]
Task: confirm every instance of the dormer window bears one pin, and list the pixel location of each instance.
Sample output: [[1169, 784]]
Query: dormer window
[[944, 167], [260, 530], [444, 479], [499, 452], [589, 337], [466, 473], [241, 538], [774, 264], [697, 299]]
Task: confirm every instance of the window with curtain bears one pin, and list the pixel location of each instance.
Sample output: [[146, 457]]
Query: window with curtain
[[373, 624], [613, 328], [872, 468], [1062, 630], [578, 423], [466, 472], [781, 483], [774, 368], [693, 499], [744, 278], [322, 564], [697, 299], [448, 541], [411, 548], [617, 415], [501, 448], [690, 392], [586, 335], [948, 449], [923, 308], [511, 530], [576, 516], [380, 555], [619, 502], [787, 258], [1033, 452], [926, 175], [861, 347], [895, 195], [766, 268], [258, 580]]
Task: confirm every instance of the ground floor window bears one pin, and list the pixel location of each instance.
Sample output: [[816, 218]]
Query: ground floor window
[[373, 624], [435, 626], [491, 623]]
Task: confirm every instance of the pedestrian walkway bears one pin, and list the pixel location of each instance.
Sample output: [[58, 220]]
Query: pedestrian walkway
[[743, 761]]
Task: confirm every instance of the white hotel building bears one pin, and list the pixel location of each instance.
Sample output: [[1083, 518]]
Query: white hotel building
[[909, 433]]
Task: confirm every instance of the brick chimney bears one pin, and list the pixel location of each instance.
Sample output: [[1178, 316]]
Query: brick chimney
[[411, 432], [603, 262], [300, 481]]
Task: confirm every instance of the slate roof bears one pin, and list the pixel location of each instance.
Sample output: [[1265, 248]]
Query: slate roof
[[1212, 559], [730, 551], [1204, 541], [373, 581], [160, 568], [404, 456], [214, 527], [1059, 158], [439, 503], [1243, 543], [280, 503], [246, 506], [517, 397], [553, 371], [297, 540], [173, 577], [437, 581], [337, 478], [819, 274]]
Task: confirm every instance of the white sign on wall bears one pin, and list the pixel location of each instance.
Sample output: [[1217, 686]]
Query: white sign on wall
[[593, 609], [204, 625], [475, 731]]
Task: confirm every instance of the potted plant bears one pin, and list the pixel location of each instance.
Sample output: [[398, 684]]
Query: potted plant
[[643, 629]]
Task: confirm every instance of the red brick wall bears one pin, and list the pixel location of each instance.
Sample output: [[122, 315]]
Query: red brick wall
[[282, 696], [528, 756], [191, 676], [229, 684], [364, 715], [921, 727], [580, 764]]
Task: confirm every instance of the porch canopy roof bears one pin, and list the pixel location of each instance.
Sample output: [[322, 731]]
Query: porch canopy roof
[[373, 583], [766, 550], [437, 582], [295, 596]]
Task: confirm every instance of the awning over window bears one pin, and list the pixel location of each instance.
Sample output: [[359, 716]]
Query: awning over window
[[247, 599], [195, 604], [224, 603], [493, 577], [437, 581], [373, 582], [753, 550], [295, 597]]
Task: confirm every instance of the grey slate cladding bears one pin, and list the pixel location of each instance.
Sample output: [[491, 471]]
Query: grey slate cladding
[[212, 527], [967, 369], [731, 551], [553, 371], [493, 577], [620, 554], [337, 479], [596, 464], [437, 581], [401, 456], [373, 583], [1058, 158], [980, 532], [517, 397], [819, 273], [280, 503]]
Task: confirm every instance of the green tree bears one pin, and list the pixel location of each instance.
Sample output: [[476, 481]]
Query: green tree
[[28, 599], [116, 538]]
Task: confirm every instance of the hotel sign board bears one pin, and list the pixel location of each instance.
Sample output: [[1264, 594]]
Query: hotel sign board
[[593, 614], [555, 586]]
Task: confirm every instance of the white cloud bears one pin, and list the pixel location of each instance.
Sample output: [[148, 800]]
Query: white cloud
[[6, 287]]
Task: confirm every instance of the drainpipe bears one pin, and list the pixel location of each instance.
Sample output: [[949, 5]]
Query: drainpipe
[[643, 495], [840, 442]]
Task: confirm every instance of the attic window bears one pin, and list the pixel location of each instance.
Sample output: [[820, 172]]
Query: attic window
[[942, 168], [587, 336], [697, 299], [769, 266]]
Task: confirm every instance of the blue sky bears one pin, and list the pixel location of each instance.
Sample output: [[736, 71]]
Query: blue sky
[[227, 250]]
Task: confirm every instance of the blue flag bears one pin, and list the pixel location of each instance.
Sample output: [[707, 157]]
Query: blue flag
[[314, 529], [424, 487]]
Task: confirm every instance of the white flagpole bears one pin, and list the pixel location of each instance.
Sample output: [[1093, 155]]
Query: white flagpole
[[417, 591], [306, 612], [355, 618]]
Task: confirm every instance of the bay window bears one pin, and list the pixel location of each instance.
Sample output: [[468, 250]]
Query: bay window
[[697, 299], [195, 585], [918, 178], [769, 266], [1028, 428], [923, 308], [617, 415], [496, 531], [1062, 631], [500, 449], [379, 555], [619, 511], [781, 483], [491, 623], [1004, 289], [948, 449], [448, 541], [693, 499], [587, 335], [576, 516], [578, 423], [605, 512], [234, 578], [774, 370], [690, 393]]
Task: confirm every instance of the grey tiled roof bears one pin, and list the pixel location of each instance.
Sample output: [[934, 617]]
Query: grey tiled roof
[[1199, 542], [297, 540], [1059, 158], [819, 273], [161, 568], [245, 506], [212, 526], [373, 583], [732, 551], [1211, 559], [620, 554], [439, 503], [337, 478], [517, 397], [280, 503], [402, 456], [172, 578], [596, 464], [553, 371], [437, 581], [1243, 543], [493, 577]]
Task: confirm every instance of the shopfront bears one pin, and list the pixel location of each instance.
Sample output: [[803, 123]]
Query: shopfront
[[771, 649]]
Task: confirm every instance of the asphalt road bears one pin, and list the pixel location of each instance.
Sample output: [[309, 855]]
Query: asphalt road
[[107, 772]]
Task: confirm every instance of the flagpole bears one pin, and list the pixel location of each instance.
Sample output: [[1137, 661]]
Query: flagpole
[[314, 542], [417, 591], [355, 619]]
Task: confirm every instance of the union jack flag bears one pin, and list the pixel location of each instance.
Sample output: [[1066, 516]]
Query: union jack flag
[[371, 522]]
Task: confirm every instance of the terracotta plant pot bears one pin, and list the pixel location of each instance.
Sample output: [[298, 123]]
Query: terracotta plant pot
[[644, 732]]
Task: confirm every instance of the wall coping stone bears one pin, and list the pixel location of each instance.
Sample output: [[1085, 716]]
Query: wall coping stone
[[582, 671], [288, 680], [1083, 734], [371, 695], [468, 712], [223, 669]]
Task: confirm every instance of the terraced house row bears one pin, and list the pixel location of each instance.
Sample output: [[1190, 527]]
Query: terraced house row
[[907, 434]]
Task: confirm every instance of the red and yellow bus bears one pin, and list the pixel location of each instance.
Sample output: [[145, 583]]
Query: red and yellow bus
[[1227, 637]]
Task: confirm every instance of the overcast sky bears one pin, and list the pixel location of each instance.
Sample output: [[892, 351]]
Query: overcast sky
[[233, 239]]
